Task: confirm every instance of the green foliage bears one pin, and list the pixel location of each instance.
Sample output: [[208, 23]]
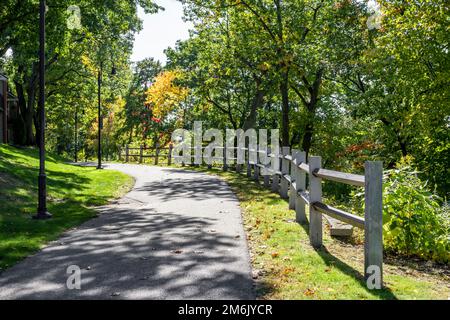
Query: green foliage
[[415, 223], [75, 57]]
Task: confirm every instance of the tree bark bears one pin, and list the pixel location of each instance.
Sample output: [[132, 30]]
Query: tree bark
[[307, 136], [258, 100], [311, 107], [284, 90], [26, 136], [26, 95], [401, 141]]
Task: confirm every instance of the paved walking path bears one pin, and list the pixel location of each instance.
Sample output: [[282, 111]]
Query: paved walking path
[[177, 235]]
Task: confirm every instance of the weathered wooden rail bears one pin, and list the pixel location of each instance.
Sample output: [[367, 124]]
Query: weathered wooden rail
[[289, 179], [142, 153]]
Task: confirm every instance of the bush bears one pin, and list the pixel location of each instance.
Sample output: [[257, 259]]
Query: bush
[[415, 222]]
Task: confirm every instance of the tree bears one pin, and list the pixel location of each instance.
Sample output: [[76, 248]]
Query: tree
[[402, 85], [285, 44], [164, 99], [113, 21]]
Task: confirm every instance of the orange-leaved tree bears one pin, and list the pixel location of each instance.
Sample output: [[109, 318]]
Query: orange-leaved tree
[[165, 96]]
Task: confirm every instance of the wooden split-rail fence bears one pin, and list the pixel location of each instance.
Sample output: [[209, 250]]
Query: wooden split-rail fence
[[290, 181], [130, 154]]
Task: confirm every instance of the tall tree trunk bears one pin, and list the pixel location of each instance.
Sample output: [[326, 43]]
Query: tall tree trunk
[[311, 107], [401, 141], [258, 100], [403, 147], [284, 90], [26, 94], [308, 135], [284, 71], [26, 136]]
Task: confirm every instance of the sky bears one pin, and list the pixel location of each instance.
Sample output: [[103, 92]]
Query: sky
[[160, 31]]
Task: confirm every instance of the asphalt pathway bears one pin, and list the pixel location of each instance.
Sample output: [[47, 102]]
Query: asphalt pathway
[[177, 235]]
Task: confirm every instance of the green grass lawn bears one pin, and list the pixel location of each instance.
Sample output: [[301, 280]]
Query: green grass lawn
[[289, 268], [72, 192]]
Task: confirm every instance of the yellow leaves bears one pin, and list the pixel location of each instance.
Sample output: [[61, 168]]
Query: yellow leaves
[[267, 234], [165, 96], [264, 66], [89, 64], [309, 292], [287, 271]]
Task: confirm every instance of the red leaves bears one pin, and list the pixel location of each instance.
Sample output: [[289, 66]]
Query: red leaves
[[360, 147]]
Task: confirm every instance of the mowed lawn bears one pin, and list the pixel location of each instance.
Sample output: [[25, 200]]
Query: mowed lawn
[[72, 193], [286, 266]]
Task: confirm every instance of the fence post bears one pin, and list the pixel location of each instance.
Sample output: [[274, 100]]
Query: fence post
[[198, 156], [249, 166], [141, 153], [212, 160], [315, 195], [156, 155], [293, 175], [239, 158], [183, 164], [275, 176], [300, 186], [169, 156], [256, 168], [238, 165], [127, 153], [267, 176], [373, 225], [225, 165], [284, 183]]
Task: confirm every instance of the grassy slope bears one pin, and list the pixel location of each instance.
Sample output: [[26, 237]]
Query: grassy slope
[[72, 191], [290, 268]]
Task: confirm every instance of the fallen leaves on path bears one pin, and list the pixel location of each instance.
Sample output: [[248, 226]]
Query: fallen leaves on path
[[309, 292]]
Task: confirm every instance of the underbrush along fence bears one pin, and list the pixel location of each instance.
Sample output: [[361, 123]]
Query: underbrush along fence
[[290, 181]]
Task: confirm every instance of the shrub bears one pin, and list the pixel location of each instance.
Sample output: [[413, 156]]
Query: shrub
[[414, 221]]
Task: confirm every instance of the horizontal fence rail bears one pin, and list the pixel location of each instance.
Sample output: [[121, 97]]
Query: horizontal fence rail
[[299, 180], [348, 178], [142, 153], [346, 217]]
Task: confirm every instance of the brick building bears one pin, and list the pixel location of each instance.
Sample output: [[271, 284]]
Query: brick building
[[3, 109]]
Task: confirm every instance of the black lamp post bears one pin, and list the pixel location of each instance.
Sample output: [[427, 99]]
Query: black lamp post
[[42, 212]]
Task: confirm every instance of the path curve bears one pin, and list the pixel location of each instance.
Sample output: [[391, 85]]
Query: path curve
[[177, 235]]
